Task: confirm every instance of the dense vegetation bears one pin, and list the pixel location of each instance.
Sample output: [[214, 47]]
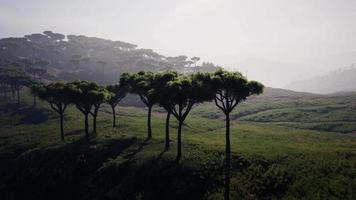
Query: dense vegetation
[[78, 57]]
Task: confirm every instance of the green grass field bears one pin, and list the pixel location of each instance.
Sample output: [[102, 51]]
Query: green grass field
[[275, 155]]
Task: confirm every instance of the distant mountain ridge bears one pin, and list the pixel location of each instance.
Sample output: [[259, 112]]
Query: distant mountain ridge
[[342, 80], [89, 58]]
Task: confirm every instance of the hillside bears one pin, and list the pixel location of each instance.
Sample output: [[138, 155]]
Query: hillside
[[74, 57], [335, 81], [269, 161], [285, 144], [333, 112]]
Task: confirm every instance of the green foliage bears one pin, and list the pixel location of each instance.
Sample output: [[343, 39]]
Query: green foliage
[[140, 84], [231, 88], [117, 93], [85, 95], [159, 87], [54, 93], [183, 92]]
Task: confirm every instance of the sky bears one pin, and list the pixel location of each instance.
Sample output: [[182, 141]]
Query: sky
[[274, 41]]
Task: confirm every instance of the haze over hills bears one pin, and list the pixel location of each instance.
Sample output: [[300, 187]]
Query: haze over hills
[[119, 108], [342, 80], [89, 58], [95, 59], [282, 74]]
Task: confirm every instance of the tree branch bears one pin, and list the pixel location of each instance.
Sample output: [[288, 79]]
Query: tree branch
[[54, 108], [233, 105], [187, 110]]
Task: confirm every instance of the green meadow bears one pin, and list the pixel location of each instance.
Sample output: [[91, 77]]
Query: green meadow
[[285, 146]]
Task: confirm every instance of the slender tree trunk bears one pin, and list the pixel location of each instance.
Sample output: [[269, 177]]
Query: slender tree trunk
[[227, 159], [149, 130], [3, 88], [34, 101], [34, 96], [61, 116], [113, 116], [13, 92], [167, 130], [86, 127], [18, 96], [96, 109], [5, 92], [179, 141], [94, 124]]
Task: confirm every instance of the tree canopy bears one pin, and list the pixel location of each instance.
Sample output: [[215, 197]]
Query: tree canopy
[[87, 97], [231, 88], [57, 95], [141, 84], [116, 94]]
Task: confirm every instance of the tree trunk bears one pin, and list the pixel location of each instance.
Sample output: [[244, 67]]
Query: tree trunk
[[5, 92], [179, 141], [96, 109], [34, 101], [86, 127], [149, 130], [18, 96], [167, 130], [94, 123], [3, 87], [227, 159], [61, 125], [113, 116], [13, 92]]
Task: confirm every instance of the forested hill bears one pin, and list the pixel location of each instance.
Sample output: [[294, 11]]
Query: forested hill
[[89, 58], [343, 80]]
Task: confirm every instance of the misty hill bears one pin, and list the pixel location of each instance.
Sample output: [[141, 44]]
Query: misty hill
[[80, 57], [342, 80]]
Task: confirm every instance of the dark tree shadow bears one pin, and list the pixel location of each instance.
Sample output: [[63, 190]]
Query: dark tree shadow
[[24, 114], [75, 132], [61, 171]]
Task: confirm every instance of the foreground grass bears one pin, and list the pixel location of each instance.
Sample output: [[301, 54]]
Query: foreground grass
[[269, 161]]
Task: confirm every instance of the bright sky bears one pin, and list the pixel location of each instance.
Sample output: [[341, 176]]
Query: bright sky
[[264, 38]]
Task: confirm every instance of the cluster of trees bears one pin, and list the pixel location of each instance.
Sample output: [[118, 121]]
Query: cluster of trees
[[36, 69], [178, 93], [15, 75], [12, 80], [175, 92], [71, 60], [87, 97]]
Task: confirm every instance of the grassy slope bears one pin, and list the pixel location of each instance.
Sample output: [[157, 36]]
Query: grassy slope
[[270, 161], [335, 113]]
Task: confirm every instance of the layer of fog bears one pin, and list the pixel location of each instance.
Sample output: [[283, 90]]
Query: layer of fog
[[275, 41]]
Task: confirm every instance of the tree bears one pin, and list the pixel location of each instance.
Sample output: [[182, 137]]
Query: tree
[[195, 60], [140, 84], [13, 78], [54, 36], [36, 69], [160, 82], [57, 95], [87, 97], [183, 92], [97, 97], [117, 93], [18, 81], [231, 88]]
